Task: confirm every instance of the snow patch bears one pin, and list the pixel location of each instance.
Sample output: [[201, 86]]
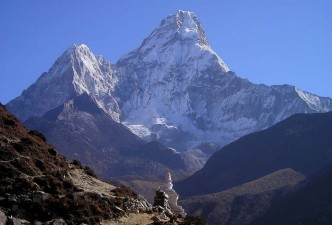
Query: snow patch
[[312, 100], [139, 130]]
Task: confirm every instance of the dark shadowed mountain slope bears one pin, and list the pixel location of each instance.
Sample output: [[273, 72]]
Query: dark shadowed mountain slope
[[83, 131], [312, 204], [242, 204], [302, 142]]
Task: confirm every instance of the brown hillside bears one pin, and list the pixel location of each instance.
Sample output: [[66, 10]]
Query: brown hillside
[[38, 184]]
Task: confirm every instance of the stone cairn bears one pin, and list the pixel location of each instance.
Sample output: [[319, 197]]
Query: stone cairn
[[161, 199]]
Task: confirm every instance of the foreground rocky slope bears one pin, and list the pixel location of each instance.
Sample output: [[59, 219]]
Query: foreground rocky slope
[[38, 185]]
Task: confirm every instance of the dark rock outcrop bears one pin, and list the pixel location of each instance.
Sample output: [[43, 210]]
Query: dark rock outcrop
[[161, 199]]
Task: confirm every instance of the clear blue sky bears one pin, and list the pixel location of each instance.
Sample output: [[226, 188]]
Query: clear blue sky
[[265, 41]]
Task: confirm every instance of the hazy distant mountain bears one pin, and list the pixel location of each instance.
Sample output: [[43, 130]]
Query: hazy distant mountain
[[173, 89], [302, 142]]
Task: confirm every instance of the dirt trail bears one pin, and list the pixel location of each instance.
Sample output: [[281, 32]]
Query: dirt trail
[[90, 184], [132, 219]]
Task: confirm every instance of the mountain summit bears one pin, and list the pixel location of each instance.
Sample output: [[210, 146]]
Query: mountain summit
[[175, 85], [185, 24], [75, 72], [179, 38], [173, 89]]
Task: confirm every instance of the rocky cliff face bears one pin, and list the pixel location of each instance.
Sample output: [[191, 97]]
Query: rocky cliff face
[[174, 88]]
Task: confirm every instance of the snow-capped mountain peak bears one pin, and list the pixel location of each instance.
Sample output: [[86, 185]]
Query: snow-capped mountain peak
[[68, 59], [315, 102], [92, 75], [189, 26], [173, 87], [179, 40], [82, 48], [183, 24], [75, 72]]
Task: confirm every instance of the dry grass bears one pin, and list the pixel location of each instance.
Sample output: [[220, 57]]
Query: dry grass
[[90, 184], [132, 219]]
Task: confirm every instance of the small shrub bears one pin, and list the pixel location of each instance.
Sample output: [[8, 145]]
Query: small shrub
[[68, 184], [77, 164], [90, 171], [39, 164], [52, 151], [26, 141], [20, 148], [37, 134], [9, 121], [124, 191]]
